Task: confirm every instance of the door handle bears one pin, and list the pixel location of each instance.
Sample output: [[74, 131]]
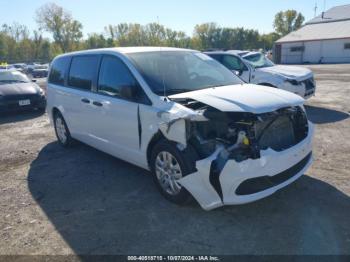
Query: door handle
[[84, 100], [97, 103]]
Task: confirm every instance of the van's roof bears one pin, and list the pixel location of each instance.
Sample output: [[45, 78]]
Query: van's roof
[[128, 50]]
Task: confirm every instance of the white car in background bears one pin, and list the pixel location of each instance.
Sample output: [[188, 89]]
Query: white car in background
[[197, 127], [256, 68]]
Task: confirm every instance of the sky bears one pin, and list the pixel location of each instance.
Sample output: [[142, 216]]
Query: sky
[[176, 14]]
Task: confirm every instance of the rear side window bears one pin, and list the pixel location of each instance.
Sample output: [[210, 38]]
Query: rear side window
[[82, 72], [113, 75], [58, 70]]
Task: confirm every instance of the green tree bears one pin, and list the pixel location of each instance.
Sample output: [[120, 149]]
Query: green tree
[[17, 31], [152, 34], [205, 35], [12, 50], [211, 36], [66, 31], [266, 41], [45, 53], [18, 45], [251, 39], [156, 34], [3, 47], [176, 39], [287, 21], [55, 50], [96, 41], [37, 42]]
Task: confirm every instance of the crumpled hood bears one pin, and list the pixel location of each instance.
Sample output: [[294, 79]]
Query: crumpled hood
[[243, 98], [18, 89], [287, 71]]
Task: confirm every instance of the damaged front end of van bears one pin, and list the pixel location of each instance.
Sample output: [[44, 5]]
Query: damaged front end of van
[[243, 155]]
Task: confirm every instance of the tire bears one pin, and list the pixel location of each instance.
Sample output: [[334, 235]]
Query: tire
[[61, 130], [186, 165]]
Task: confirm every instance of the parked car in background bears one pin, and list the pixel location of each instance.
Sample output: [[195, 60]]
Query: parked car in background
[[18, 92], [185, 117], [5, 66], [256, 68], [20, 67], [30, 67], [40, 71]]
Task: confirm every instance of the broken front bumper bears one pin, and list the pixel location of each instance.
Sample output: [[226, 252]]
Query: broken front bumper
[[305, 88], [249, 180]]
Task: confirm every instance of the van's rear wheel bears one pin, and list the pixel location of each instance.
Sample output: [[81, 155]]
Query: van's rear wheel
[[169, 165], [62, 131]]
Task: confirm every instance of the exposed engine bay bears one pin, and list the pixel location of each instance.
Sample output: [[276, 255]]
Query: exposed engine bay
[[244, 134]]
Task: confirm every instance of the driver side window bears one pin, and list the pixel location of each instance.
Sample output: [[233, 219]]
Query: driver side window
[[233, 63], [114, 75]]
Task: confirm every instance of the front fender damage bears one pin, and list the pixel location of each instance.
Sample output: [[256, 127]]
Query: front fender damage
[[174, 121]]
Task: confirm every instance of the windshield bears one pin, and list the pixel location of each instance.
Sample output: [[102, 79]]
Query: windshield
[[13, 77], [258, 60], [173, 72]]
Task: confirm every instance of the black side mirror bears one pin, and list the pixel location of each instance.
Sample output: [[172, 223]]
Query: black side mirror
[[34, 80], [127, 92]]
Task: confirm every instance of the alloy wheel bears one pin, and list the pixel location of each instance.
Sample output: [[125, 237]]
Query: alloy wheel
[[61, 130], [168, 172]]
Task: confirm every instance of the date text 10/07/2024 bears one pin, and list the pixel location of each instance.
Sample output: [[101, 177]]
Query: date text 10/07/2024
[[173, 258]]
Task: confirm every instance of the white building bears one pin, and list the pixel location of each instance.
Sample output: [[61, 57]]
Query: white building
[[324, 39]]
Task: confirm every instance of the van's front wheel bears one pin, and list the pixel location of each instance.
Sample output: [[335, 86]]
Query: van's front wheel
[[62, 131], [169, 165]]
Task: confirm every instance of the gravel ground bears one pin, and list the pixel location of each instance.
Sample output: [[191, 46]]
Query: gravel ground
[[82, 201]]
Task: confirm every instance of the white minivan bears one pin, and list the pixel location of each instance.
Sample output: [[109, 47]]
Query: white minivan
[[197, 127]]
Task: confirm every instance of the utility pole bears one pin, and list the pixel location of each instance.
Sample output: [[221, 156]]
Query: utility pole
[[315, 9]]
